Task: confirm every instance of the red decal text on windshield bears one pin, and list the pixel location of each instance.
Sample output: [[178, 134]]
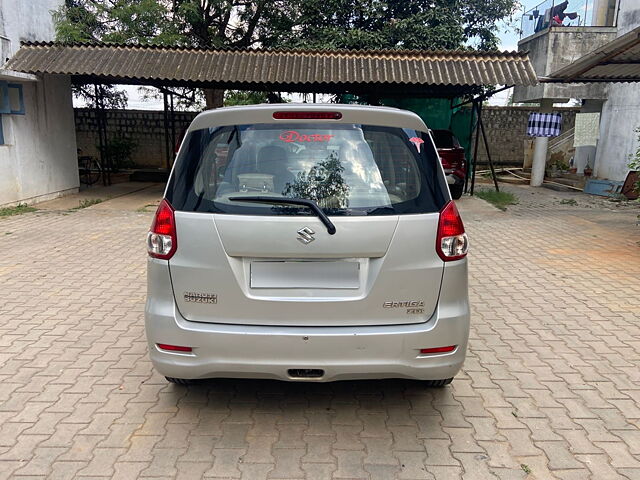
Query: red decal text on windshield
[[292, 136], [417, 142]]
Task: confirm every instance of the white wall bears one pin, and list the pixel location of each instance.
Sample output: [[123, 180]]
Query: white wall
[[620, 113], [618, 140], [38, 160], [628, 16], [27, 20]]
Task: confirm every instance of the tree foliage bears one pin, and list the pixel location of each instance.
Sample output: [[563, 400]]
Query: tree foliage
[[192, 23], [398, 24], [352, 24], [111, 96], [140, 22], [247, 97], [348, 24]]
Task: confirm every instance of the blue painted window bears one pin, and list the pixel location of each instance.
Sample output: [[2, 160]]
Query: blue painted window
[[11, 103], [11, 99]]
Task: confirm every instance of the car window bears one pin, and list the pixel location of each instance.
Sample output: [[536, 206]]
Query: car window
[[445, 139], [347, 169]]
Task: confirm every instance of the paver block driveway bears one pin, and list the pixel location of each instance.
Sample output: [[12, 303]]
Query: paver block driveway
[[550, 389]]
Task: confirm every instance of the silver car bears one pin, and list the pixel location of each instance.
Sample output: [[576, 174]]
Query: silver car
[[307, 243]]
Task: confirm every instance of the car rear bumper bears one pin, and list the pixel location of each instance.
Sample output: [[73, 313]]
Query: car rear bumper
[[341, 353]]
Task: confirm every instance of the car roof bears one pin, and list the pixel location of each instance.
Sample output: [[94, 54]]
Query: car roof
[[263, 113]]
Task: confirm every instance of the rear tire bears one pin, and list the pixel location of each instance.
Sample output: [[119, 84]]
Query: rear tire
[[456, 191], [179, 381], [438, 383]]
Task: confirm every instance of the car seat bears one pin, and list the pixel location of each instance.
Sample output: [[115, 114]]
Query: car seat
[[273, 160]]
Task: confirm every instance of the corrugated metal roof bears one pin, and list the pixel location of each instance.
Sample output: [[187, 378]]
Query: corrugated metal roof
[[616, 61], [124, 63]]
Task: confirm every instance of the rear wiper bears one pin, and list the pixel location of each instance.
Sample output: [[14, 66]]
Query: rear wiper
[[381, 211], [303, 202]]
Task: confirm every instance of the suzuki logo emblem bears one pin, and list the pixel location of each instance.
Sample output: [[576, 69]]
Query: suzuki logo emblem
[[305, 235]]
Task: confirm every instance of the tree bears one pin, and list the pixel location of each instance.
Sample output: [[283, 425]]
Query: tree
[[195, 23], [397, 24], [348, 24], [111, 96]]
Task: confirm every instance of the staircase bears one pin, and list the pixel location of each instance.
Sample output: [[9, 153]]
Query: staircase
[[561, 142]]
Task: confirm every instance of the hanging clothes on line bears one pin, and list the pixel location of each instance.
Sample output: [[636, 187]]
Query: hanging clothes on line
[[587, 129], [544, 124]]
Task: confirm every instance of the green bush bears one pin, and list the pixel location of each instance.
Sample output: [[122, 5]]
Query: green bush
[[119, 149], [498, 199]]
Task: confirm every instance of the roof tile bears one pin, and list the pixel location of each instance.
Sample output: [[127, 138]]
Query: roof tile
[[400, 67]]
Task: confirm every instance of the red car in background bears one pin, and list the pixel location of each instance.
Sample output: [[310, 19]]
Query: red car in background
[[453, 161]]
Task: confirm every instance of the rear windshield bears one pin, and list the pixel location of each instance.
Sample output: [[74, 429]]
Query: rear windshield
[[347, 169], [445, 139]]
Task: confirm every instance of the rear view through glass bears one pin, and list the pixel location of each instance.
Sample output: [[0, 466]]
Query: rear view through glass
[[347, 169], [445, 139]]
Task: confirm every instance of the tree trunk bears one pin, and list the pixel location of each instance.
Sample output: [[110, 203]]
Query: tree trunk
[[214, 98]]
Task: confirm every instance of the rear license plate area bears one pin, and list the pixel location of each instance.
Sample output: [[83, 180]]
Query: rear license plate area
[[305, 274]]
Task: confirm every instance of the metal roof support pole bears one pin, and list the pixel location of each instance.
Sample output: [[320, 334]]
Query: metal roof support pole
[[103, 109], [486, 147], [468, 171], [96, 109], [165, 115], [173, 131], [475, 107], [101, 120]]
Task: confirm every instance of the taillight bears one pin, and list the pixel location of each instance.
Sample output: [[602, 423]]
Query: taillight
[[289, 115], [452, 242], [452, 159], [161, 239]]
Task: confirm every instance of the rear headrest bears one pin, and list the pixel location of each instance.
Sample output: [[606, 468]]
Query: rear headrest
[[272, 153]]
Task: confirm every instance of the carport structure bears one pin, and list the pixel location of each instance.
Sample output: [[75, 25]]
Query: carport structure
[[374, 74]]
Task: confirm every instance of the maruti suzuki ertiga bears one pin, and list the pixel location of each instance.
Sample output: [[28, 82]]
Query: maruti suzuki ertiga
[[308, 243]]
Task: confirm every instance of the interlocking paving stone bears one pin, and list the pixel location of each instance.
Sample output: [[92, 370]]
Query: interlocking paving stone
[[551, 382]]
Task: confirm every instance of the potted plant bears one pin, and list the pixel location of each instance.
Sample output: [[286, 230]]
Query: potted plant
[[587, 170]]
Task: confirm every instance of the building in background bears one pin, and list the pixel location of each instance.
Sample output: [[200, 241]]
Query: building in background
[[38, 157], [620, 112], [557, 33]]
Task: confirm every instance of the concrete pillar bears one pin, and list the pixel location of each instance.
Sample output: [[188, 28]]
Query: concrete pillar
[[600, 13], [540, 149]]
